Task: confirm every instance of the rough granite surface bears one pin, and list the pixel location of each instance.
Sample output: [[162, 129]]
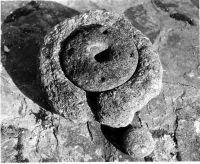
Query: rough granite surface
[[31, 133]]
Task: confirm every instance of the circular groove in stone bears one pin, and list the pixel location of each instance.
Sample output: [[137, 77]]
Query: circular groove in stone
[[98, 58]]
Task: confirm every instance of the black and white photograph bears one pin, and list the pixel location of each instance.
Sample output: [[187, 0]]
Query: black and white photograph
[[100, 81]]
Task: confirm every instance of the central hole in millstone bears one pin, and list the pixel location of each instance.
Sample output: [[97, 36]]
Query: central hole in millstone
[[100, 51], [103, 56], [97, 58]]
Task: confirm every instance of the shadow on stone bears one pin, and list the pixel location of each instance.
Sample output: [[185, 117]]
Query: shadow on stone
[[92, 102], [22, 35], [115, 135]]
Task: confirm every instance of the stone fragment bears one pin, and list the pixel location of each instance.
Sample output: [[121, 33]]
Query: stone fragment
[[165, 149], [138, 142]]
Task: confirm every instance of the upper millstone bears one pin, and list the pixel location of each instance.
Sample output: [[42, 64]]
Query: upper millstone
[[98, 58]]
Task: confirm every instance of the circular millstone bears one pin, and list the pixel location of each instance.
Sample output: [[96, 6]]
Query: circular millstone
[[97, 51], [78, 45], [98, 58]]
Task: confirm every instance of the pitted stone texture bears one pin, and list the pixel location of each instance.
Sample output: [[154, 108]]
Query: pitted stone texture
[[63, 95], [117, 107], [138, 142], [99, 58]]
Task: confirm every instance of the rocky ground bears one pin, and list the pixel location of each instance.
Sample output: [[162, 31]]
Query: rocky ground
[[31, 133]]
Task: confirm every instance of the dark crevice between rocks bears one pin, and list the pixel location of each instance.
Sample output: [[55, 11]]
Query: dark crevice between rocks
[[115, 135], [41, 115], [44, 118], [177, 16], [12, 132], [159, 133], [19, 148], [55, 133], [178, 155], [182, 17], [148, 159], [90, 132], [92, 100], [163, 6], [136, 122]]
